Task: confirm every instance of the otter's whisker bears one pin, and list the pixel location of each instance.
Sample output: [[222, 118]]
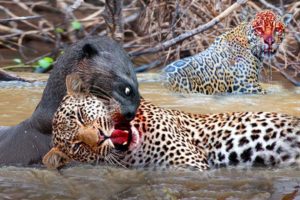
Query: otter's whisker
[[98, 93], [99, 89]]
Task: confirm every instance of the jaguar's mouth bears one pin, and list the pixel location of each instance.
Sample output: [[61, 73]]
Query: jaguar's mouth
[[269, 52], [124, 136]]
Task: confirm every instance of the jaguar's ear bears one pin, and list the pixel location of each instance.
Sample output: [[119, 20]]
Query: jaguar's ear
[[89, 51], [74, 84], [287, 18], [55, 159]]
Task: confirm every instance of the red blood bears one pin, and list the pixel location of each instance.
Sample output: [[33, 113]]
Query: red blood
[[119, 137]]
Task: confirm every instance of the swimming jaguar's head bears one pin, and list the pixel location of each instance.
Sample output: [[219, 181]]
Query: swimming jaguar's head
[[267, 31]]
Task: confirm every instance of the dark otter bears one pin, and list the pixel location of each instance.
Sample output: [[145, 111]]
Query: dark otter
[[106, 71]]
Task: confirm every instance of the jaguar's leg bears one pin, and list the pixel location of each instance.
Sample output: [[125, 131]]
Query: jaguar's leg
[[253, 88], [245, 84], [197, 158]]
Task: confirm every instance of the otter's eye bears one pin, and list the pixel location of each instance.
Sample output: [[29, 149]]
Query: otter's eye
[[127, 91]]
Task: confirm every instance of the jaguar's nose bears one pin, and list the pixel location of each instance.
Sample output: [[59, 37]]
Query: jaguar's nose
[[269, 40], [102, 136]]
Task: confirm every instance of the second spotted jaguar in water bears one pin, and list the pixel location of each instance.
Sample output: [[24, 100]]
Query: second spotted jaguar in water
[[233, 62], [86, 130]]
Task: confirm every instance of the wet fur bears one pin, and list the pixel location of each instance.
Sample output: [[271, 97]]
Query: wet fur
[[27, 142]]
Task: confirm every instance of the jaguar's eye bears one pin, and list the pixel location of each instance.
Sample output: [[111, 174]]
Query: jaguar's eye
[[278, 31], [101, 132], [259, 30], [127, 91]]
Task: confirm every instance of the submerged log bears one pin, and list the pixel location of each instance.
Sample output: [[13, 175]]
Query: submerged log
[[4, 76]]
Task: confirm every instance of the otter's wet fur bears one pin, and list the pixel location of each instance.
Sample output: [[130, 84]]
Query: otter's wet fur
[[106, 71]]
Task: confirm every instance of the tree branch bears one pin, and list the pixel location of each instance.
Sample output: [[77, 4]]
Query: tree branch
[[8, 77], [191, 33], [20, 18], [114, 19], [268, 5]]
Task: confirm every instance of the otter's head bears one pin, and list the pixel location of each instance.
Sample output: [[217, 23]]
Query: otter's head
[[267, 31], [107, 73]]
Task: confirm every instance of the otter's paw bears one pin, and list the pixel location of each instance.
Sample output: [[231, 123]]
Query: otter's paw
[[55, 159]]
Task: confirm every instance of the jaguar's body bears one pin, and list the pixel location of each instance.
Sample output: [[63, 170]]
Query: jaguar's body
[[174, 138], [232, 63], [170, 138]]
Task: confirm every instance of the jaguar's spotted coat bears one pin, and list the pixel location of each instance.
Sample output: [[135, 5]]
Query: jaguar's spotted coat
[[233, 62], [170, 138], [174, 138]]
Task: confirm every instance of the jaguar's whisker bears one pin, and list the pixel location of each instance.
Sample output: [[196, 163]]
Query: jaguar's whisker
[[117, 162]]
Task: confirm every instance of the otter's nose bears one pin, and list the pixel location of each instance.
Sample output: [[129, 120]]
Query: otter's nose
[[129, 115]]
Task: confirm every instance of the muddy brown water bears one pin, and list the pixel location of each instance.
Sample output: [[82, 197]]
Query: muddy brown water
[[17, 102]]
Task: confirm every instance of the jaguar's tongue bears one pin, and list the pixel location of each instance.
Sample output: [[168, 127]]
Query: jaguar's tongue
[[119, 137]]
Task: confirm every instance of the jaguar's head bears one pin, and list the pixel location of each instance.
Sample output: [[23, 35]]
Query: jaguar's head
[[267, 31], [102, 126], [88, 129]]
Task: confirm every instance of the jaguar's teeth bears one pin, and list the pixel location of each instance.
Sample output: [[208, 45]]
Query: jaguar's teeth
[[124, 143]]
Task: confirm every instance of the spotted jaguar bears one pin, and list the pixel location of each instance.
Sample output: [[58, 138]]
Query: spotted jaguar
[[232, 64], [163, 138]]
